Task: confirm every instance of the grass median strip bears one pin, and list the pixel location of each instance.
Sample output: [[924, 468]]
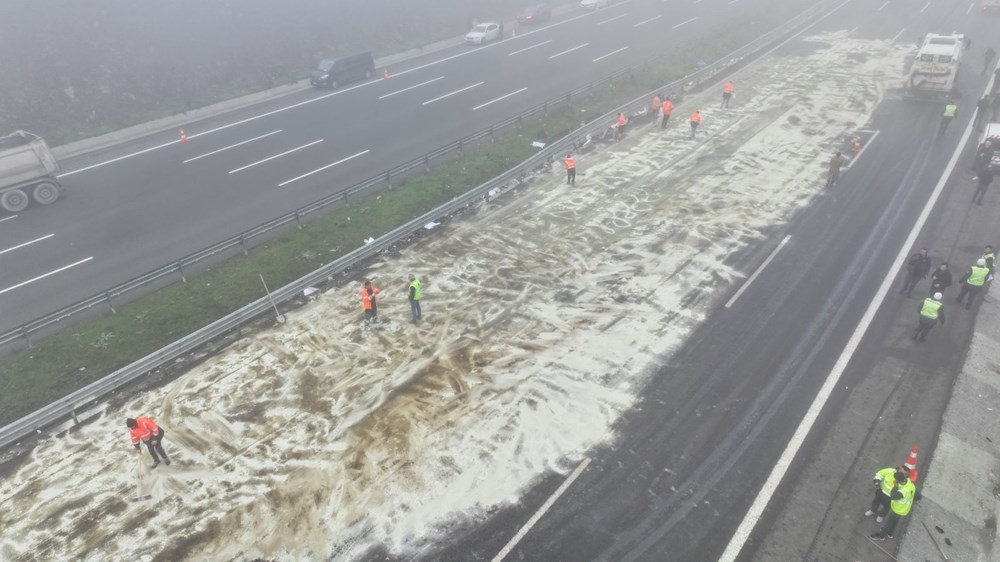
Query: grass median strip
[[71, 359]]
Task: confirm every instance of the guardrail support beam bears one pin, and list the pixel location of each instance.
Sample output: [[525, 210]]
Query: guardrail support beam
[[243, 244], [180, 267], [111, 304], [27, 336]]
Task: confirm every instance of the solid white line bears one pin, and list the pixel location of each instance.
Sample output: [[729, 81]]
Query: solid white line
[[12, 248], [863, 149], [541, 511], [927, 5], [644, 22], [500, 98], [759, 269], [612, 19], [269, 158], [880, 8], [685, 22], [231, 146], [432, 80], [896, 36], [341, 161], [113, 160], [742, 533], [529, 48], [971, 6], [569, 50], [8, 218], [615, 52], [40, 277], [439, 98]]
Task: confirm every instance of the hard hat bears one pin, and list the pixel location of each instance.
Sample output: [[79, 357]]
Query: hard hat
[[938, 296], [981, 262]]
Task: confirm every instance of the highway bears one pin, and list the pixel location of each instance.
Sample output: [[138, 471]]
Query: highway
[[137, 206]]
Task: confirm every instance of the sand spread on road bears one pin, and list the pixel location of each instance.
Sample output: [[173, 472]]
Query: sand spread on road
[[545, 310]]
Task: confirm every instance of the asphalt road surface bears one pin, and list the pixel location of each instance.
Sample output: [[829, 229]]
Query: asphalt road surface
[[135, 207]]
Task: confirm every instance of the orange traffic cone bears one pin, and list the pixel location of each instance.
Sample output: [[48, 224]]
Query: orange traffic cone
[[184, 137], [856, 147], [385, 74], [911, 464]]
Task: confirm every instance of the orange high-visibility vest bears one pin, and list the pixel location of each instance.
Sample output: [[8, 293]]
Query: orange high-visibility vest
[[366, 299], [728, 88], [144, 430], [621, 119], [570, 163], [696, 117], [668, 107]]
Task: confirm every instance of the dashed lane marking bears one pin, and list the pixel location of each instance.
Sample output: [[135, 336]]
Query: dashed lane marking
[[269, 158], [43, 276], [232, 146], [12, 248], [759, 269]]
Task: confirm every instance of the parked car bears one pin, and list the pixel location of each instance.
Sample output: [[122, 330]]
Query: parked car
[[484, 33], [332, 73], [541, 12], [593, 4]]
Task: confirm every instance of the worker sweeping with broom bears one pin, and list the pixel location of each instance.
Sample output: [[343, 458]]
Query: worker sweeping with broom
[[145, 430]]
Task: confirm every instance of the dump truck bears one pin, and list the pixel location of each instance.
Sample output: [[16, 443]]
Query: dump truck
[[935, 68], [27, 172]]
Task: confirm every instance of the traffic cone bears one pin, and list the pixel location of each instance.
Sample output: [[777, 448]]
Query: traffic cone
[[911, 464], [856, 147], [385, 74], [184, 137]]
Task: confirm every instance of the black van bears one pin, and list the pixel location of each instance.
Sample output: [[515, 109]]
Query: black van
[[332, 73]]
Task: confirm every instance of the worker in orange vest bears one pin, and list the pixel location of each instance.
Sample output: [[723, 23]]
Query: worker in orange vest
[[695, 121], [727, 94], [620, 126], [570, 165], [145, 430], [368, 293], [666, 108], [655, 106]]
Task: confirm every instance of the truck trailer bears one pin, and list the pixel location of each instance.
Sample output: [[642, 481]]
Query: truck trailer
[[28, 172]]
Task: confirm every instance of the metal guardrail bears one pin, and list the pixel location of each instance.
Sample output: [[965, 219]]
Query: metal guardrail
[[69, 406]]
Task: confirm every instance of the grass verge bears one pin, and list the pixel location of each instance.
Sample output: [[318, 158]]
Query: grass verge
[[71, 359]]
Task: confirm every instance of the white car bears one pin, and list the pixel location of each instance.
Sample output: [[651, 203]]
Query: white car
[[483, 33], [593, 4]]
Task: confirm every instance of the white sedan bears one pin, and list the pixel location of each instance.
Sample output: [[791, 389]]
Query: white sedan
[[593, 4], [483, 33]]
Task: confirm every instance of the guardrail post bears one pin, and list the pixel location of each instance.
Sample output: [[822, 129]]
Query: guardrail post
[[388, 180], [492, 138], [520, 121], [298, 218], [111, 304], [545, 108], [180, 267], [461, 147], [243, 243], [427, 163], [27, 335], [72, 413]]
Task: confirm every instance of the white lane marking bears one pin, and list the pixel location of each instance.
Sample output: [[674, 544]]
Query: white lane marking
[[742, 533], [503, 97], [685, 22], [697, 1], [269, 158], [317, 170], [927, 5], [8, 218], [431, 81], [863, 149], [971, 6], [529, 48], [12, 248], [615, 52], [644, 22], [612, 19], [231, 146], [459, 91], [43, 276], [882, 7], [113, 160], [759, 269], [732, 2], [569, 50], [541, 511], [896, 36]]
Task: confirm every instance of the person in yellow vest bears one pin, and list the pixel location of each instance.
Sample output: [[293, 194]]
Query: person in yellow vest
[[901, 501], [930, 314], [950, 111], [973, 281], [884, 481], [413, 295]]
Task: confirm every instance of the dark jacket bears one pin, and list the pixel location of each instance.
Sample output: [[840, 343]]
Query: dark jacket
[[919, 265], [940, 280]]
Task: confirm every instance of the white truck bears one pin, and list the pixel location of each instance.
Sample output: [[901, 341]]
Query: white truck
[[27, 166], [935, 68]]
